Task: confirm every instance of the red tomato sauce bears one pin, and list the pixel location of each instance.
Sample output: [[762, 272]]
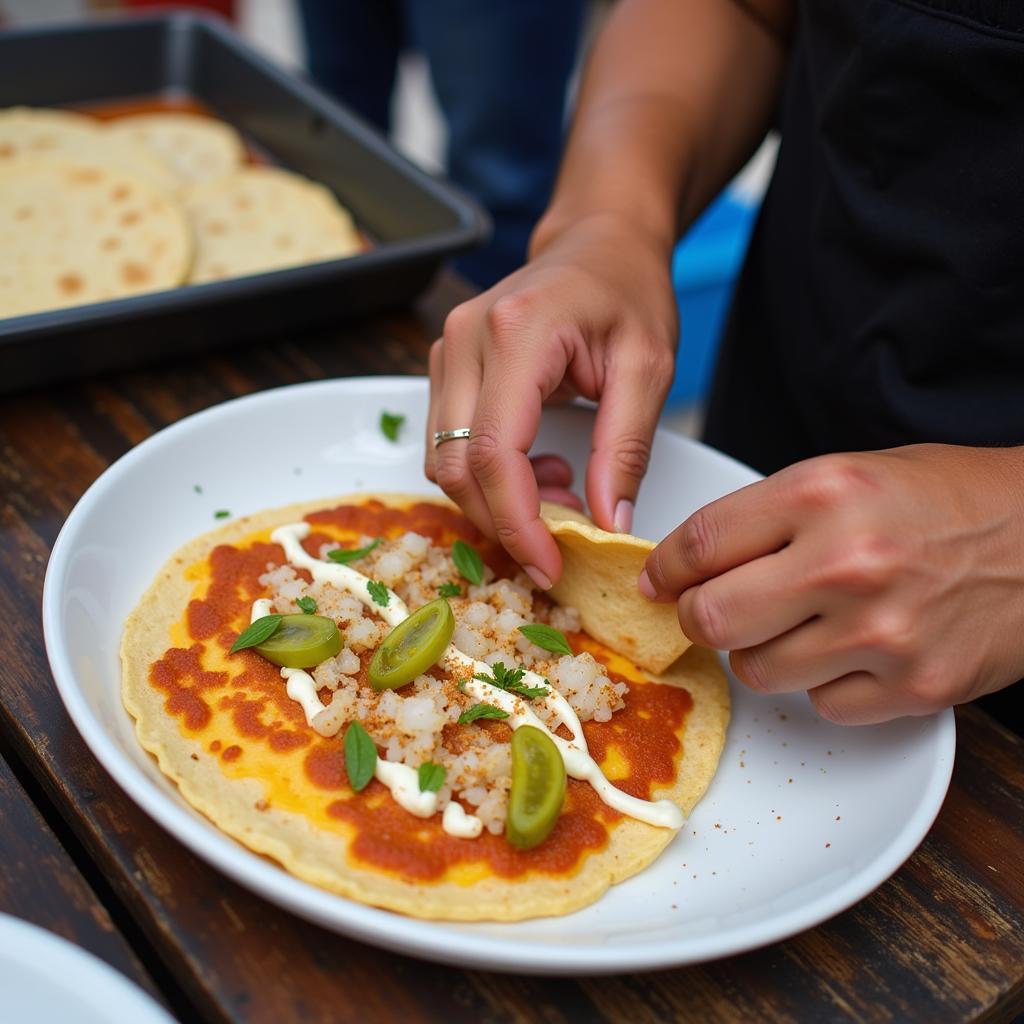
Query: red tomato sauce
[[643, 734]]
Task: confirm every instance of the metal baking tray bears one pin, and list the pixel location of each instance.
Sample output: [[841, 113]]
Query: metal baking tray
[[415, 221]]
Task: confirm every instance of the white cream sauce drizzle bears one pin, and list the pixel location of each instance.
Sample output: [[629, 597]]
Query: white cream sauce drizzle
[[456, 822], [342, 576], [302, 687], [578, 762], [401, 780]]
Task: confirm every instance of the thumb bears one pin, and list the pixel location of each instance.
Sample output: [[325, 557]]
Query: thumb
[[635, 388]]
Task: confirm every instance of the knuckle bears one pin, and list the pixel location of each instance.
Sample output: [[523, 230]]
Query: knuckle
[[458, 323], [752, 668], [927, 687], [436, 354], [483, 452], [507, 314], [869, 561], [646, 358], [890, 632], [698, 543], [507, 531], [659, 364], [827, 482], [631, 455], [656, 569], [827, 708], [707, 621], [452, 475]]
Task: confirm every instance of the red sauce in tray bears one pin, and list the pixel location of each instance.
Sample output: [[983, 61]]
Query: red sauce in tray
[[163, 103]]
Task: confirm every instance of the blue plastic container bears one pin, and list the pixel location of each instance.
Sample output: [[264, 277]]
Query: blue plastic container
[[705, 266]]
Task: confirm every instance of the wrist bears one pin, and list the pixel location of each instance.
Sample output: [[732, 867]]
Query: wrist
[[559, 225]]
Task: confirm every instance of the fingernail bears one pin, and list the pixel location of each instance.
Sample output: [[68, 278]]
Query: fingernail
[[623, 519], [645, 586], [537, 576]]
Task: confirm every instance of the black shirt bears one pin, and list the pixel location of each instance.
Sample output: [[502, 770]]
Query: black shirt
[[882, 301]]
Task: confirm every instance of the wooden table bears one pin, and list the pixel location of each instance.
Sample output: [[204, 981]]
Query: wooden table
[[941, 941]]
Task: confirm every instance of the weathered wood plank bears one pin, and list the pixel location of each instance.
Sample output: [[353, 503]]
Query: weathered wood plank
[[41, 884]]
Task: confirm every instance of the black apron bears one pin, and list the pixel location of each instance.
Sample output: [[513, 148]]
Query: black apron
[[882, 301]]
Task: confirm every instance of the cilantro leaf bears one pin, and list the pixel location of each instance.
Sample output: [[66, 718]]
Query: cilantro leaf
[[510, 680], [530, 692], [509, 676], [449, 590], [360, 756], [262, 629], [481, 711], [431, 776], [390, 422], [345, 555], [546, 637], [307, 604], [468, 561], [380, 594], [222, 513]]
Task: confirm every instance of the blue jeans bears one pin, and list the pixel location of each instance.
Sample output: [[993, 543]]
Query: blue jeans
[[500, 70]]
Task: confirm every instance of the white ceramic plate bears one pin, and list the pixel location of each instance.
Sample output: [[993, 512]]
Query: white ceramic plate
[[802, 820], [47, 980]]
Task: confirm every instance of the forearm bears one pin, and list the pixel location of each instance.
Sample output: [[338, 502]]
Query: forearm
[[676, 95]]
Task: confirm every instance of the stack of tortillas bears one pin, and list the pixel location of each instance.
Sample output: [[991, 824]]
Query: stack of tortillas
[[93, 210]]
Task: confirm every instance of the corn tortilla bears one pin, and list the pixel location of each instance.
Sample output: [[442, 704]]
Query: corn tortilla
[[321, 853], [601, 571]]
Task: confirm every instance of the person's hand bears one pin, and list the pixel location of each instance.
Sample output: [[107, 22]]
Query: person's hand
[[593, 314], [886, 583]]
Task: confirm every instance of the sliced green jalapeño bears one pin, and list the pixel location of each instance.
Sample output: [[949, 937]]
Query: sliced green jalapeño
[[302, 641], [412, 646], [538, 788]]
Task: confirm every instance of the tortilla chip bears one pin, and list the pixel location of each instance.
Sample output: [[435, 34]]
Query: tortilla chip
[[599, 580]]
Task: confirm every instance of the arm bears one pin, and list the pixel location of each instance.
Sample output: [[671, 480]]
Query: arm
[[675, 97]]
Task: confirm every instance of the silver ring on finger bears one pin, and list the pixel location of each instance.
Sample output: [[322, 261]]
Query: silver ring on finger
[[440, 436]]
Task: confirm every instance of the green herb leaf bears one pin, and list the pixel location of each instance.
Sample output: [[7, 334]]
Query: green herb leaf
[[468, 562], [197, 489], [360, 756], [345, 555], [431, 777], [222, 513], [506, 678], [390, 422], [379, 593], [547, 637], [449, 590], [529, 692], [481, 711], [262, 629], [511, 681], [307, 604]]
